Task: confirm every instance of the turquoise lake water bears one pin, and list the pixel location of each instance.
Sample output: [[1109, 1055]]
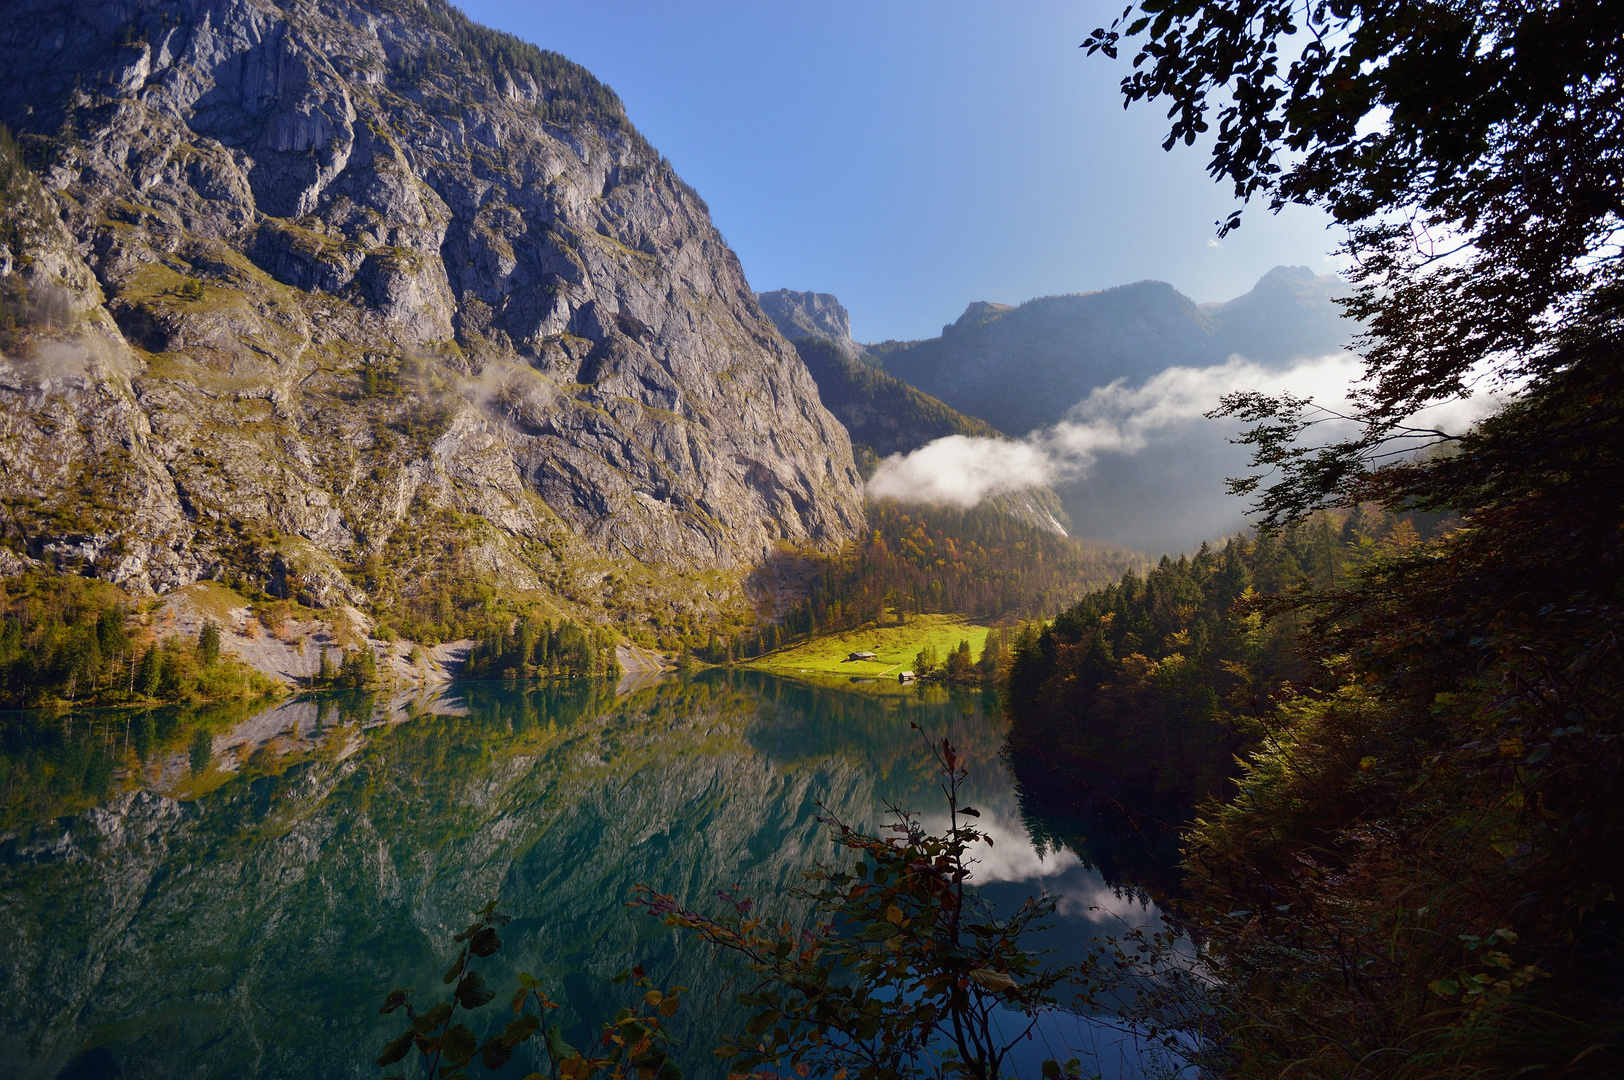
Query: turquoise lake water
[[240, 908]]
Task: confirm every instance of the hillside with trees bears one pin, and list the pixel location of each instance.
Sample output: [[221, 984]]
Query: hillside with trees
[[1419, 871], [980, 562], [67, 640], [1140, 695], [883, 414]]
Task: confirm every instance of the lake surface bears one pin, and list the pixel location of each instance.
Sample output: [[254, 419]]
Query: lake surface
[[239, 903]]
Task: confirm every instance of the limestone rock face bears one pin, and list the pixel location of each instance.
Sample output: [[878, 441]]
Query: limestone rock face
[[810, 315], [343, 279]]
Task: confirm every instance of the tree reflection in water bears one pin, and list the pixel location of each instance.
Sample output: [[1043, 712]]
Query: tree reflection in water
[[239, 920]]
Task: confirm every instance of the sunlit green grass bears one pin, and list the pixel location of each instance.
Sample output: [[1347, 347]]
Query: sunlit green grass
[[895, 646]]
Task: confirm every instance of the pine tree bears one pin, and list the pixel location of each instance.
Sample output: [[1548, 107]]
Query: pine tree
[[149, 673], [208, 644]]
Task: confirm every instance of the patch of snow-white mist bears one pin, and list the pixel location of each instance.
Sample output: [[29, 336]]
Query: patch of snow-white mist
[[961, 470], [1167, 412], [56, 365], [1125, 419]]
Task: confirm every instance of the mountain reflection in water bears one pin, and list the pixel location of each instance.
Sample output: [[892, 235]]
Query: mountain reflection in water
[[240, 902]]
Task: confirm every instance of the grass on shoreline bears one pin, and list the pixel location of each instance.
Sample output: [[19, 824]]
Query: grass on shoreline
[[895, 647]]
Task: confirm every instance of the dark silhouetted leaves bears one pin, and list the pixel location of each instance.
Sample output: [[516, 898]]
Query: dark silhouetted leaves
[[557, 1047], [649, 1059], [519, 1029], [472, 991], [459, 1045], [992, 980], [494, 1054], [433, 1018], [396, 1048], [484, 942]]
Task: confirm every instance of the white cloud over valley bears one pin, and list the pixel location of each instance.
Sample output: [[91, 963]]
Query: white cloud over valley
[[961, 470], [1177, 454]]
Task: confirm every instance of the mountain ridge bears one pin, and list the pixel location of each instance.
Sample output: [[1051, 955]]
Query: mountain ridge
[[1007, 370], [343, 298], [1022, 366]]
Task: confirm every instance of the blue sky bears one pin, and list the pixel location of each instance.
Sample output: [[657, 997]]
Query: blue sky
[[912, 157]]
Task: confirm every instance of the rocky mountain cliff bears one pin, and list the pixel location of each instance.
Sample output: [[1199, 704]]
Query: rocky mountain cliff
[[1022, 367], [344, 296]]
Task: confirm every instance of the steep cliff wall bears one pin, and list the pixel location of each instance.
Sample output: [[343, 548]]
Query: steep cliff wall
[[800, 315], [339, 296]]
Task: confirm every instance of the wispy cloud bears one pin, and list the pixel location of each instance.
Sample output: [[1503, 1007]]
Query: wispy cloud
[[1164, 412], [961, 471]]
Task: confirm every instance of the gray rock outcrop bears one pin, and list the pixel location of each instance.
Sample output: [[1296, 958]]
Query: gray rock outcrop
[[337, 280], [801, 315]]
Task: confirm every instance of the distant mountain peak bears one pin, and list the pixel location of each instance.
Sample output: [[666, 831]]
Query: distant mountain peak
[[977, 313], [1022, 366], [1299, 273], [1290, 313], [883, 414], [800, 315]]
